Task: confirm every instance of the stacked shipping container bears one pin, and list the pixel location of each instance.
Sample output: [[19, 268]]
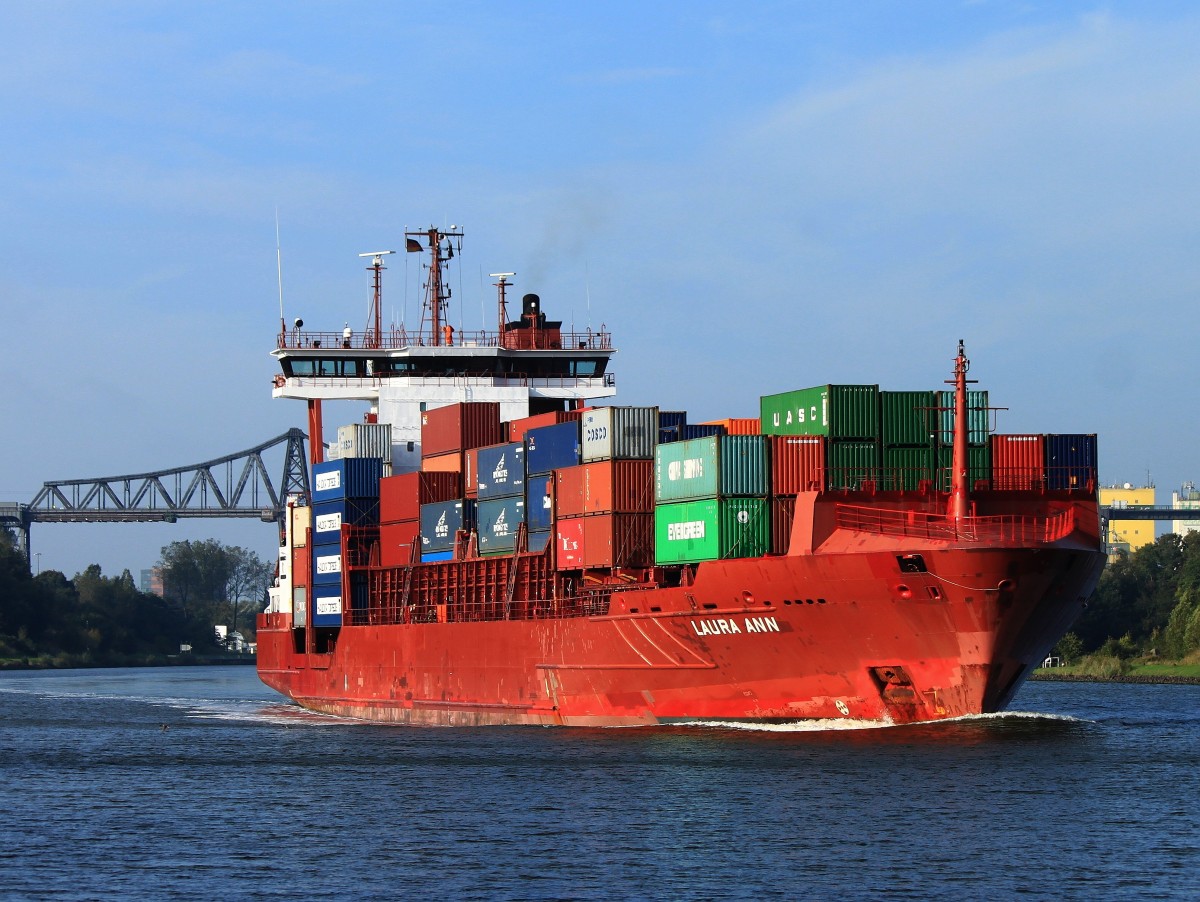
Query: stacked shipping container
[[603, 507], [345, 521]]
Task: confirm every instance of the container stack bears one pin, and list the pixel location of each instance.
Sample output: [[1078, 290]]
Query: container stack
[[345, 521], [908, 423], [603, 507], [448, 433], [501, 497], [1071, 461], [299, 526], [400, 501], [711, 499], [846, 416]]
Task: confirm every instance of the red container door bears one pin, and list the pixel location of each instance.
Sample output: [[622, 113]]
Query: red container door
[[797, 464], [457, 427], [1018, 462], [783, 513], [569, 543], [618, 540]]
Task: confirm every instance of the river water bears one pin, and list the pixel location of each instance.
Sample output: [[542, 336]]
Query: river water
[[200, 783]]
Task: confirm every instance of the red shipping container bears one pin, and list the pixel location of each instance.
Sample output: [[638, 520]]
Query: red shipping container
[[605, 487], [606, 540], [401, 497], [518, 428], [1018, 462], [443, 463], [797, 464], [396, 541], [783, 513], [301, 565], [457, 427]]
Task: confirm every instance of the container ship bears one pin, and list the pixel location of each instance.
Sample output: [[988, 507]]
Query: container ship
[[496, 542]]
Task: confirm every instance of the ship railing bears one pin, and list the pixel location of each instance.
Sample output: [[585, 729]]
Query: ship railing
[[1006, 529], [608, 380], [398, 338]]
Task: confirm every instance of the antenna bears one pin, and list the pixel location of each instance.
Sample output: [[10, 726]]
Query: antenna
[[279, 270]]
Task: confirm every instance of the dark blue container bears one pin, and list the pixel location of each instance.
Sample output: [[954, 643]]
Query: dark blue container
[[353, 477], [1071, 461], [539, 540], [328, 517], [501, 471], [440, 522], [428, 556], [685, 433], [327, 564], [499, 519], [539, 511], [327, 605], [549, 447]]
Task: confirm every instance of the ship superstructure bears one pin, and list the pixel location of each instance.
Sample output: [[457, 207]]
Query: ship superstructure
[[528, 364]]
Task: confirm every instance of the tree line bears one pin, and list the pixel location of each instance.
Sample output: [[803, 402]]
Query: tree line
[[93, 619], [1147, 604]]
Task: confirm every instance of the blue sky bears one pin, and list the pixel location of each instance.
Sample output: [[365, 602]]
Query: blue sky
[[753, 197]]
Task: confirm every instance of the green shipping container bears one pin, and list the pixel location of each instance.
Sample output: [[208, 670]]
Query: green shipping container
[[906, 468], [849, 464], [711, 467], [908, 418], [711, 529], [977, 418], [979, 466], [836, 411]]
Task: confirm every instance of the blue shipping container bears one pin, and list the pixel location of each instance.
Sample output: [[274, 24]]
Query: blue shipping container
[[328, 517], [327, 564], [430, 556], [539, 510], [501, 471], [539, 540], [549, 447], [1071, 461], [499, 519], [353, 477], [327, 605], [440, 522]]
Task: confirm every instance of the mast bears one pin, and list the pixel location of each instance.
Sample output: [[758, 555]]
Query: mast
[[502, 311], [375, 324], [437, 295], [960, 495]]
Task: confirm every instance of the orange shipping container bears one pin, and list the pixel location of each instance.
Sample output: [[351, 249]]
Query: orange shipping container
[[457, 427], [443, 463], [603, 487], [797, 464], [738, 425]]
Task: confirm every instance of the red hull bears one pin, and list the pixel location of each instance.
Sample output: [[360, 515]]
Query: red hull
[[858, 621]]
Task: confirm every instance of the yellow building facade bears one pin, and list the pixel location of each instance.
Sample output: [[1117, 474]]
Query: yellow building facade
[[1127, 535]]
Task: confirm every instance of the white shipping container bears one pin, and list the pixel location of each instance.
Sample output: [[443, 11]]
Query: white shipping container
[[366, 440], [619, 433]]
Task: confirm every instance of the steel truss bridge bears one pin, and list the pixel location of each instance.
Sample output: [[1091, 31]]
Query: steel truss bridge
[[237, 485]]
